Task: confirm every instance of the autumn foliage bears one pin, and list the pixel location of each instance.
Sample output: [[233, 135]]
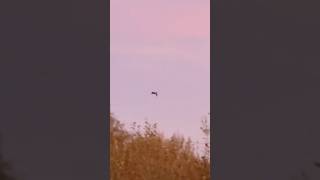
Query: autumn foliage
[[145, 154]]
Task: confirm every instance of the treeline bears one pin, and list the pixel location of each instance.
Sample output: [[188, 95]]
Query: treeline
[[144, 154]]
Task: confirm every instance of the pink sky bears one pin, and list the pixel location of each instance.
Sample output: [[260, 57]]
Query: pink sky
[[161, 45]]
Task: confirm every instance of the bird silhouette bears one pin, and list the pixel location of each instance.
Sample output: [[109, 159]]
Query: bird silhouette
[[155, 93]]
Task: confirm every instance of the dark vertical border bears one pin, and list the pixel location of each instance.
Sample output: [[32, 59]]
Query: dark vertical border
[[54, 95], [107, 115], [265, 78], [213, 83]]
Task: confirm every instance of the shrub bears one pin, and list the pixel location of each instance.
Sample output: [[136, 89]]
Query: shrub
[[147, 155]]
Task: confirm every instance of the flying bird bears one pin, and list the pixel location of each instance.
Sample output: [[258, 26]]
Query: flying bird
[[155, 93]]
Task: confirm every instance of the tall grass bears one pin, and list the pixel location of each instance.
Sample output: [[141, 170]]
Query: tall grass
[[145, 154]]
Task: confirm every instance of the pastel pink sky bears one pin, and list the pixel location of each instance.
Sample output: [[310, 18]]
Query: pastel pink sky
[[161, 45]]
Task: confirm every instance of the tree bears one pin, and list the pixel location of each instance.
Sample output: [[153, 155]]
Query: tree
[[145, 153]]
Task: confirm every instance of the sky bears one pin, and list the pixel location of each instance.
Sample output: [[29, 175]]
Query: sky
[[162, 46]]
